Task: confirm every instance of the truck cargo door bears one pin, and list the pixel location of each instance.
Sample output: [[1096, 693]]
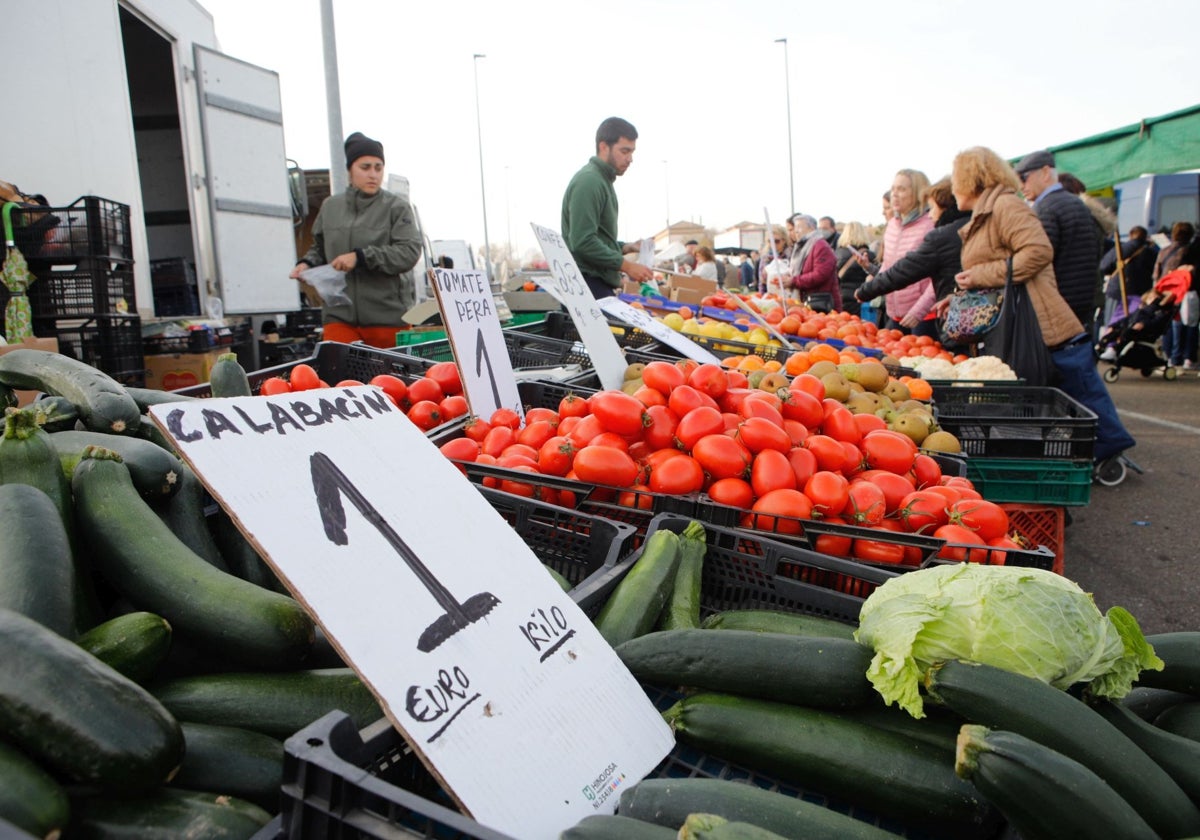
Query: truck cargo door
[[250, 203]]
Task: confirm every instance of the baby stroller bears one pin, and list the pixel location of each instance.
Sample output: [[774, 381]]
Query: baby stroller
[[1132, 341]]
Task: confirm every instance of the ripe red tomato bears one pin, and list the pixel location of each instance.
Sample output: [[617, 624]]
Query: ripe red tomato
[[985, 518], [347, 383], [854, 463], [922, 511], [460, 449], [867, 504], [555, 456], [647, 396], [618, 412], [501, 417], [780, 511], [829, 453], [721, 456], [445, 374], [425, 415], [476, 428], [610, 439], [869, 423], [764, 405], [839, 424], [455, 406], [803, 407], [685, 398], [998, 556], [581, 433], [572, 405], [498, 439], [809, 384], [304, 377], [735, 492], [878, 551], [760, 433], [677, 476], [534, 434], [663, 377], [894, 487], [959, 542], [533, 415], [829, 492], [950, 494], [425, 389], [660, 431], [887, 450], [638, 496], [926, 471], [277, 385], [709, 379], [519, 488], [733, 398], [804, 464], [836, 545], [797, 432], [512, 460], [771, 470], [605, 465], [914, 555], [696, 424], [393, 386]]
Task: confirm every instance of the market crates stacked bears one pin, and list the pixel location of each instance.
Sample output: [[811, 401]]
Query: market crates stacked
[[173, 284], [1041, 525], [82, 257]]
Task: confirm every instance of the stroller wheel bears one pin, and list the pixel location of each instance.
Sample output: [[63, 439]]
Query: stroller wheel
[[1111, 471], [1170, 373], [1111, 374]]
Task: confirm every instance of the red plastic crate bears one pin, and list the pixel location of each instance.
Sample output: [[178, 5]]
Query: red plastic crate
[[1040, 525]]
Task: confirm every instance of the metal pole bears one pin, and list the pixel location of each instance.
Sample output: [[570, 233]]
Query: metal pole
[[487, 247], [787, 87], [508, 216], [333, 101], [667, 197]]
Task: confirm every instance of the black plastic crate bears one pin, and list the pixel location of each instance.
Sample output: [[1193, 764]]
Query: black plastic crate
[[79, 291], [200, 338], [1016, 421], [173, 283], [111, 343], [91, 227], [525, 350], [559, 325]]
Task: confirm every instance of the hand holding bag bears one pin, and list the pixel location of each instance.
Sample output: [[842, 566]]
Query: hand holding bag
[[1017, 339], [972, 314]]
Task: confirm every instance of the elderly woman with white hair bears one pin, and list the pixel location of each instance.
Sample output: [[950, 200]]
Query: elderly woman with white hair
[[814, 267]]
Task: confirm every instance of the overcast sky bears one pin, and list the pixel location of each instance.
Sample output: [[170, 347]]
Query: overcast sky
[[875, 87]]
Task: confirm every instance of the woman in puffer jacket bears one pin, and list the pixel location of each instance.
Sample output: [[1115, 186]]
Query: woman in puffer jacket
[[907, 307]]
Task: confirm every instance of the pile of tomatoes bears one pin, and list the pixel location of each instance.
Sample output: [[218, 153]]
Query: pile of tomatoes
[[428, 401], [779, 457]]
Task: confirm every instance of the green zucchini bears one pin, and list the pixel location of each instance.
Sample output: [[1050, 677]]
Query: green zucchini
[[668, 802], [134, 644], [37, 571], [27, 457], [634, 606], [1001, 699], [239, 555], [30, 798], [149, 432], [939, 728], [77, 716], [232, 761], [167, 814], [1149, 703], [228, 378], [1178, 755], [1183, 719], [771, 621], [886, 773], [1044, 794], [184, 513], [822, 673], [714, 827], [103, 403], [151, 567], [56, 414], [683, 610], [146, 397], [155, 473], [612, 827], [562, 582], [1180, 653], [278, 705]]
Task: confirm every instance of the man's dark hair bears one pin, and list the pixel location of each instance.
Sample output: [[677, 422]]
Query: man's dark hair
[[612, 130], [1071, 184], [827, 219], [1138, 232]]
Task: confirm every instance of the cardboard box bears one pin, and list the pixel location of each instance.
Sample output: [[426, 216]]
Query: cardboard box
[[689, 296], [693, 284], [24, 398], [171, 371], [531, 302]]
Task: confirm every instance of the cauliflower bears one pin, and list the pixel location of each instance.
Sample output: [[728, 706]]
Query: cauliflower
[[985, 368], [937, 369]]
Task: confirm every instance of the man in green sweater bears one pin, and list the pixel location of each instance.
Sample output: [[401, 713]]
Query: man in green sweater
[[589, 212]]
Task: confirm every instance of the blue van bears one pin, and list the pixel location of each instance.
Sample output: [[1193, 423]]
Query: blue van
[[1156, 202]]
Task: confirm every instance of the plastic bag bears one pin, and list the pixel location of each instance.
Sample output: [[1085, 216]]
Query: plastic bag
[[777, 277], [1017, 337], [1189, 309], [329, 283]]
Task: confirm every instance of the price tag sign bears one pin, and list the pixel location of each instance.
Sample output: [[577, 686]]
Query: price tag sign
[[569, 289], [644, 321], [469, 313], [498, 681]]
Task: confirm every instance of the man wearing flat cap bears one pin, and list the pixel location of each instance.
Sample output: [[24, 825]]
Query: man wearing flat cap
[[371, 235], [1073, 233]]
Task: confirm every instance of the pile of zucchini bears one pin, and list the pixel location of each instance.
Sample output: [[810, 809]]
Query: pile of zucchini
[[152, 664]]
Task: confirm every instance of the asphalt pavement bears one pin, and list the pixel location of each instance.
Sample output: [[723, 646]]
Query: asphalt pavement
[[1137, 545]]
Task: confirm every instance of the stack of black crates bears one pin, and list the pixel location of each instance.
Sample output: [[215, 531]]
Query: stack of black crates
[[82, 257]]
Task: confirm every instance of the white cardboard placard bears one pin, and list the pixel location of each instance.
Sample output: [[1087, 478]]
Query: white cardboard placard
[[469, 314], [569, 289], [496, 678], [644, 321]]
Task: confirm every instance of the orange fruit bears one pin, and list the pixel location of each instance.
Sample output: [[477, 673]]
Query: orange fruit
[[797, 363], [824, 353], [919, 389], [789, 325], [751, 361], [772, 365]]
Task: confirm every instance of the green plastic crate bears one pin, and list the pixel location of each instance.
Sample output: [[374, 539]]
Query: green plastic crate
[[1043, 481]]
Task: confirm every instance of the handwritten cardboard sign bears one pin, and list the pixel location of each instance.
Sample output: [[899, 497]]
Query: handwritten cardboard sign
[[644, 321], [569, 289], [495, 677], [469, 314]]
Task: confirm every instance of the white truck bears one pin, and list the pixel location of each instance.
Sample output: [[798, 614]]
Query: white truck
[[132, 101]]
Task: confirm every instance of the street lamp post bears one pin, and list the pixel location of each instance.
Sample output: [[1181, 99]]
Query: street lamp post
[[487, 247], [508, 215], [787, 87], [333, 99]]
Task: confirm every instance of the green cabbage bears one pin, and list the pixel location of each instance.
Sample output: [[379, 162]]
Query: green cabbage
[[1028, 621]]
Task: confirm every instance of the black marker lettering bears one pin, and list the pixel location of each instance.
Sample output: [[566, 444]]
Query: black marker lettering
[[280, 416], [175, 427], [215, 423], [258, 427]]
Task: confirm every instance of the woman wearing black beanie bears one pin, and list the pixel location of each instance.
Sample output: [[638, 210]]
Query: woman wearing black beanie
[[371, 235]]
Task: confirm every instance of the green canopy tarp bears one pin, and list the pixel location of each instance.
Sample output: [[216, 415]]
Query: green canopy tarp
[[1170, 143]]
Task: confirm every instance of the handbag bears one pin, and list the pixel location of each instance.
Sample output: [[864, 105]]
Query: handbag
[[972, 314], [819, 301], [1017, 338]]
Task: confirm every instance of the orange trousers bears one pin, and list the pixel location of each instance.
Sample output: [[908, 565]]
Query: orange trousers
[[384, 337]]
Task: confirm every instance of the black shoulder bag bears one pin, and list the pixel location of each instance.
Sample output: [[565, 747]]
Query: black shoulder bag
[[1017, 337]]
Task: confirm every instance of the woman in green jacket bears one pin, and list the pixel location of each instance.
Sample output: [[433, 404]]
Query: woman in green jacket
[[371, 235]]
